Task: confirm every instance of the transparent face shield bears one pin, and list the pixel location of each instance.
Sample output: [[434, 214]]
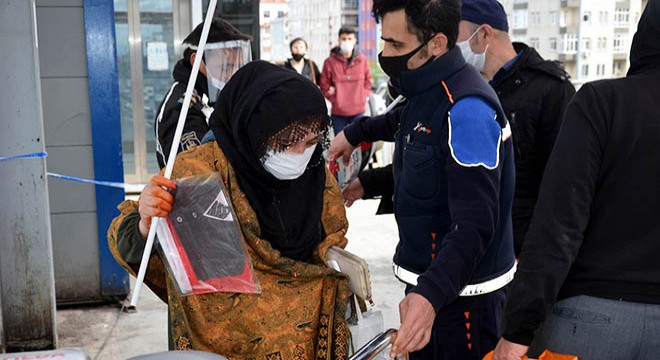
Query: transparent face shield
[[222, 60]]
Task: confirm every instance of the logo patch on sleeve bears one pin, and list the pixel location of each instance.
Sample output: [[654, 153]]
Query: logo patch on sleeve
[[474, 134], [189, 140]]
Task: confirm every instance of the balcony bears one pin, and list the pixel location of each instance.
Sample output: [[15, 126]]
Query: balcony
[[566, 57], [569, 4]]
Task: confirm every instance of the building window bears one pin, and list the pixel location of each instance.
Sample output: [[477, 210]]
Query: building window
[[520, 19], [600, 69], [586, 44], [534, 42], [619, 43], [535, 18], [280, 14], [553, 43], [349, 5], [621, 17], [602, 17], [569, 44], [562, 19], [585, 70], [602, 43], [586, 17], [267, 13], [554, 18]]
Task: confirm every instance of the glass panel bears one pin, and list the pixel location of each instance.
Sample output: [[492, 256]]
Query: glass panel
[[157, 31], [124, 70]]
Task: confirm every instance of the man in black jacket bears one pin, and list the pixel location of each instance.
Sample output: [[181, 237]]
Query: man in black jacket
[[227, 49], [533, 92], [588, 281]]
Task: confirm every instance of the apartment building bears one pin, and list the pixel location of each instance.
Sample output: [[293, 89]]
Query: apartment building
[[318, 21], [604, 28], [274, 32]]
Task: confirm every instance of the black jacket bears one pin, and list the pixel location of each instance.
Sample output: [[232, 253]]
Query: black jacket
[[595, 229], [534, 94], [170, 108], [310, 70]]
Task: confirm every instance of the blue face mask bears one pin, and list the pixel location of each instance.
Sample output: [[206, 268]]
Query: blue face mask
[[287, 165]]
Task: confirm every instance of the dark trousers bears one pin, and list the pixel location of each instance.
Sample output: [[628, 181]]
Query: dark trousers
[[595, 329], [466, 329], [340, 122]]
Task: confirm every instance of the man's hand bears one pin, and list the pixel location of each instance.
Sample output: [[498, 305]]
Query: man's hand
[[155, 201], [506, 350], [417, 316], [331, 90], [353, 192], [340, 145]]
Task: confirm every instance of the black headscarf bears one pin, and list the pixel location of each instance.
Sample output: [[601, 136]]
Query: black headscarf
[[645, 50], [262, 107]]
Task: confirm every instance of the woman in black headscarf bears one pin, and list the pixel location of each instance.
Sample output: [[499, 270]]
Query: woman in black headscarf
[[268, 151]]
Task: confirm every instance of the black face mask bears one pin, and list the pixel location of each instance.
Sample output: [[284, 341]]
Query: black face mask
[[394, 65], [297, 57]]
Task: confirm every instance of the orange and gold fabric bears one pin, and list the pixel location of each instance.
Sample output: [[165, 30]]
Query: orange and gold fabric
[[300, 311]]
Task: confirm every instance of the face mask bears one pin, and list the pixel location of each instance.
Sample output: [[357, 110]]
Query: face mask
[[286, 165], [297, 57], [346, 46], [477, 60], [394, 65], [217, 83]]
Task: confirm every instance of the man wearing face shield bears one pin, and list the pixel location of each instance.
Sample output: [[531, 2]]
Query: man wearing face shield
[[227, 49], [454, 180], [533, 92]]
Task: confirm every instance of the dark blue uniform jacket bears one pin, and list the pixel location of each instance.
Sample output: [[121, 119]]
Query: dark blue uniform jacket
[[454, 177]]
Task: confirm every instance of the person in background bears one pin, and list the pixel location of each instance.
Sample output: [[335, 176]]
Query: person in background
[[300, 64], [453, 184], [588, 281], [346, 80], [269, 154], [533, 93], [227, 49]]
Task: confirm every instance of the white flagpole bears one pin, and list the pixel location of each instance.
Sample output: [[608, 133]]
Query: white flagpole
[[173, 150]]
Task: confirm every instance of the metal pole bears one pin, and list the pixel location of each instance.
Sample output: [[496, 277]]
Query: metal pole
[[27, 283]]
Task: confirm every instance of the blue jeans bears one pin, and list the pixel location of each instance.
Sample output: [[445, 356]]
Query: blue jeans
[[340, 122], [597, 329]]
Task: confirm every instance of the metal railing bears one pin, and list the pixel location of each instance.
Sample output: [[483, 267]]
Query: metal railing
[[375, 346]]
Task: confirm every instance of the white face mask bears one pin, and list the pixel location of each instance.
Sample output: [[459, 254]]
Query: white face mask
[[346, 46], [286, 165], [477, 60]]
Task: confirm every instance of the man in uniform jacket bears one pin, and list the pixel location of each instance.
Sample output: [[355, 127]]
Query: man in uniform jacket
[[453, 185]]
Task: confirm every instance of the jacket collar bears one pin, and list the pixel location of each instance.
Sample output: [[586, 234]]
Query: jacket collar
[[414, 82]]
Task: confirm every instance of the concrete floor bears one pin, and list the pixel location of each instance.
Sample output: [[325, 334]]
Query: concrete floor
[[107, 333]]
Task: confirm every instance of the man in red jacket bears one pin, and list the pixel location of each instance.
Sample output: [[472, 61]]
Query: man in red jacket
[[346, 80]]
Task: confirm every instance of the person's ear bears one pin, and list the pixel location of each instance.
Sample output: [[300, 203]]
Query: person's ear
[[486, 34], [193, 55], [438, 44]]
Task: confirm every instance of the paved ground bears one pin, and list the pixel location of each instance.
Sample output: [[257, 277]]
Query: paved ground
[[106, 333]]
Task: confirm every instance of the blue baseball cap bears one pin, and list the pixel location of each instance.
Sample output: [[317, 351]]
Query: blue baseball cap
[[489, 12]]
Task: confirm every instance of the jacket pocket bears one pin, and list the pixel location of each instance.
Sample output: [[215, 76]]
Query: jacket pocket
[[420, 171]]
